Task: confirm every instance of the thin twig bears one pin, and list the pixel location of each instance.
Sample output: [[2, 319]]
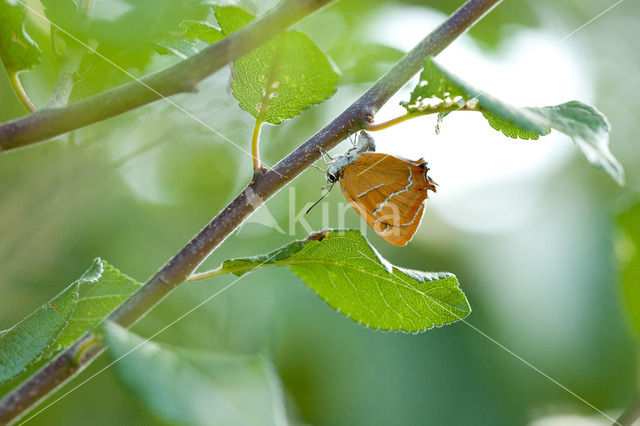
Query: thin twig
[[70, 64], [451, 107], [179, 78], [20, 92], [263, 186]]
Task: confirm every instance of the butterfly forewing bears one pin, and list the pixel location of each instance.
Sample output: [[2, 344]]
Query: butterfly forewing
[[388, 192]]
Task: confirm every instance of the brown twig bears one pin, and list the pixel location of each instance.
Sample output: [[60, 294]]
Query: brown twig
[[263, 186]]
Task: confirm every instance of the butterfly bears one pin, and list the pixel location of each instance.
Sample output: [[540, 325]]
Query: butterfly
[[387, 191]]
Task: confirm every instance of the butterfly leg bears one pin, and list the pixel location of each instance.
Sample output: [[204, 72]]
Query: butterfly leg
[[325, 155]]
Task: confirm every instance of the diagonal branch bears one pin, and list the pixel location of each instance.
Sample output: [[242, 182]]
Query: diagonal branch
[[263, 186], [179, 78], [266, 184]]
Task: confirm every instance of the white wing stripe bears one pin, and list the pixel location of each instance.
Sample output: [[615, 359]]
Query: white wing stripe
[[393, 194], [371, 189]]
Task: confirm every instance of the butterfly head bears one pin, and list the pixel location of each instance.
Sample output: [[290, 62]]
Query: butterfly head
[[364, 144], [332, 176]]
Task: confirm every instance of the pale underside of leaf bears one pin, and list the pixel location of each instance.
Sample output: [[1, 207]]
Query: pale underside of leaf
[[197, 388]]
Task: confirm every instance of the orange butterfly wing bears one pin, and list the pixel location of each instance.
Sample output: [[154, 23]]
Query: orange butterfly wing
[[389, 193]]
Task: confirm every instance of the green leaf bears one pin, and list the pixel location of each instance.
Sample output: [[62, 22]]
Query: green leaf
[[180, 48], [65, 14], [433, 84], [64, 319], [185, 42], [26, 341], [508, 128], [102, 289], [199, 30], [589, 130], [197, 388], [584, 124], [280, 78], [231, 18], [17, 51], [524, 118], [628, 251], [344, 270]]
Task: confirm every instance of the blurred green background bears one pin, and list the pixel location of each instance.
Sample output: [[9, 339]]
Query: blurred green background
[[536, 245]]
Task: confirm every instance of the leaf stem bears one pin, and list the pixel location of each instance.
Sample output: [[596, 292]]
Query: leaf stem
[[255, 148], [212, 273], [20, 92], [448, 107], [261, 187]]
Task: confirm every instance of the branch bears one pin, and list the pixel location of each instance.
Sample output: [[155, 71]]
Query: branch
[[263, 186], [179, 78]]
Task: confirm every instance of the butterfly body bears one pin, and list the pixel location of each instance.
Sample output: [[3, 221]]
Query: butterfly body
[[387, 191], [336, 167]]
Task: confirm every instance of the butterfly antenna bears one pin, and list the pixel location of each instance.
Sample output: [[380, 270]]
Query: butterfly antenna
[[321, 198]]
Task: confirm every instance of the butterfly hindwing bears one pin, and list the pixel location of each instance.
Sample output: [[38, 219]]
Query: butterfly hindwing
[[388, 192]]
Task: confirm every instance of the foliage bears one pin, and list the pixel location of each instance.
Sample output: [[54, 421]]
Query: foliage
[[26, 341], [61, 321], [274, 82], [280, 78], [508, 128], [350, 275], [184, 42], [189, 387], [583, 123], [17, 50]]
